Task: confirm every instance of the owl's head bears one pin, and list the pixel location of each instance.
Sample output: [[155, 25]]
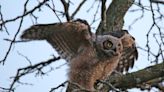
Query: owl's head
[[108, 46]]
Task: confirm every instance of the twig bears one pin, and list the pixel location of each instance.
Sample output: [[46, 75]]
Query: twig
[[160, 52], [1, 20], [154, 24], [160, 13], [95, 14], [66, 9], [25, 14], [24, 57], [53, 9], [61, 85], [20, 25], [140, 17], [157, 1], [145, 50], [91, 6], [33, 16], [141, 6], [30, 69], [78, 8], [5, 89], [7, 53]]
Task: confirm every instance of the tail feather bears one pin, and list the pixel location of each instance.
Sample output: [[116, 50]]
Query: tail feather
[[37, 32]]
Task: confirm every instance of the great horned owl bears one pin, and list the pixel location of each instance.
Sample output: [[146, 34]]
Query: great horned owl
[[90, 57]]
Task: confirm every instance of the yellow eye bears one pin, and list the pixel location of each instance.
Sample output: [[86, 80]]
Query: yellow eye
[[107, 44]]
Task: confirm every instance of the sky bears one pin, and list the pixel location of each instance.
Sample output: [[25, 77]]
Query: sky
[[38, 51]]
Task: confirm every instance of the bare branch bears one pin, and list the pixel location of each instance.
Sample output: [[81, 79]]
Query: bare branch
[[78, 8], [66, 9], [10, 46], [2, 89], [21, 21], [146, 50], [91, 6], [154, 24], [1, 21], [95, 14], [26, 13], [30, 69], [157, 1], [35, 18], [53, 9], [142, 13], [7, 53], [25, 57], [61, 85]]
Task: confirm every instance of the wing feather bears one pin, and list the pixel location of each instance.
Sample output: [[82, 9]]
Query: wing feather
[[66, 37]]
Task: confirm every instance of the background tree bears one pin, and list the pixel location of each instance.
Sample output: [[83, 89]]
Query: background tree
[[21, 61]]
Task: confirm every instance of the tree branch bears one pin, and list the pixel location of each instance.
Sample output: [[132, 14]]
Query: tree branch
[[31, 69], [66, 9], [157, 1], [136, 79], [61, 85], [12, 42], [25, 14], [115, 14], [78, 8]]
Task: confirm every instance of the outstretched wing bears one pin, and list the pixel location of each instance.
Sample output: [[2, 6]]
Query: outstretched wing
[[129, 53], [66, 37]]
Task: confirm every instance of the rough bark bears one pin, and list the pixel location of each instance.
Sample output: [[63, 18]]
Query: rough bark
[[115, 15], [136, 79]]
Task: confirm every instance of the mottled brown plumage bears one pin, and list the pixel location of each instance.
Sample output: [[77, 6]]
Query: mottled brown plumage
[[129, 53], [90, 57]]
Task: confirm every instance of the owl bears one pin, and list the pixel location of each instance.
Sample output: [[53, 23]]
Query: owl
[[90, 57]]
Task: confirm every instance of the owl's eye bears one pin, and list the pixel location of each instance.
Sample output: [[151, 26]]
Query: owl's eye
[[107, 44]]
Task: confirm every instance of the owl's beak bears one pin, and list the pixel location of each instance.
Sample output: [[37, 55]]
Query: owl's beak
[[113, 53]]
